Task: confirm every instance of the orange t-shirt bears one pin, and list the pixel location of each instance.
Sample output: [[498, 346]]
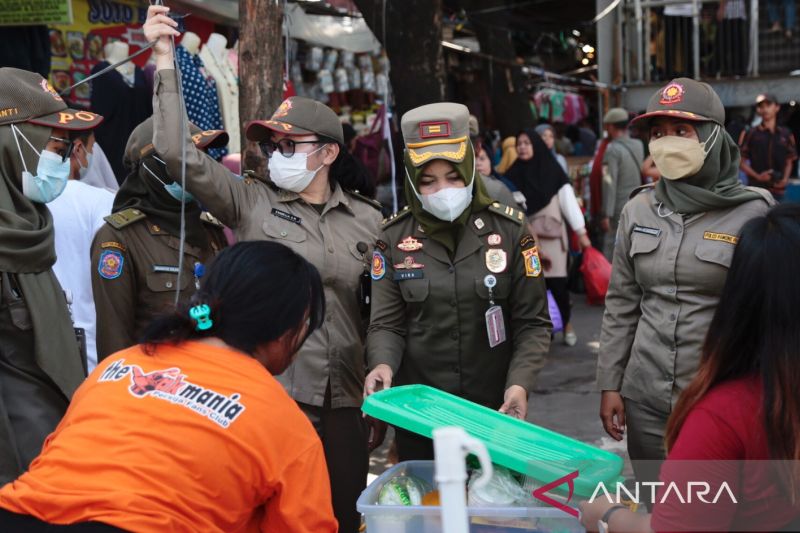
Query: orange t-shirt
[[192, 438]]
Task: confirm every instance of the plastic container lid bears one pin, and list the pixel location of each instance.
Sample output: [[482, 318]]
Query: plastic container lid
[[521, 446]]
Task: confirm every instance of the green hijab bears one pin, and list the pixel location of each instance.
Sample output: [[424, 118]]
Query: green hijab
[[447, 233], [715, 186], [27, 250]]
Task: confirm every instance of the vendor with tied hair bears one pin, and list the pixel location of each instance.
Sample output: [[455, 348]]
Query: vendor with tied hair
[[190, 431]]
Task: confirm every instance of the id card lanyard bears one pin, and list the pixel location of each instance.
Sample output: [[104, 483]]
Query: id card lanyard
[[495, 325]]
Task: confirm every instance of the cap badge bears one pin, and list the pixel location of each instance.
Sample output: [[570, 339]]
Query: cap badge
[[672, 94], [46, 87], [283, 109], [428, 130]]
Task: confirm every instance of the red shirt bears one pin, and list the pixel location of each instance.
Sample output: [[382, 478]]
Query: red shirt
[[723, 440], [191, 438]]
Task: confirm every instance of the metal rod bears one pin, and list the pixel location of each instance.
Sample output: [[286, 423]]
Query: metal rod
[[696, 38], [641, 45], [147, 47], [753, 65]]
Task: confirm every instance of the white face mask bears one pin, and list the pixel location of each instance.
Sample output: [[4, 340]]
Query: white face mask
[[291, 173], [678, 157], [82, 170], [446, 204]]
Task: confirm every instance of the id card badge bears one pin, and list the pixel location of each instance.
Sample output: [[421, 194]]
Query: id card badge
[[495, 326]]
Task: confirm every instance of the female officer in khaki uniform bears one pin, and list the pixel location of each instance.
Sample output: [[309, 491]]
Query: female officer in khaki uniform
[[675, 243], [310, 203], [459, 300], [135, 254]]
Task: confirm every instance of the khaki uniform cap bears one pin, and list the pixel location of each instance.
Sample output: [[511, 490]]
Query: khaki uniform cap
[[298, 116], [687, 99], [436, 131], [616, 115], [27, 97]]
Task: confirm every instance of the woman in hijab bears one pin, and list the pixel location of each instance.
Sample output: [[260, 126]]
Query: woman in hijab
[[444, 268], [548, 135], [135, 255], [40, 362], [550, 201], [675, 243]]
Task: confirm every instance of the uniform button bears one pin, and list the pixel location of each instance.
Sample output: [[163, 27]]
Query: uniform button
[[168, 284], [283, 234], [330, 249], [451, 269], [156, 228], [453, 303], [454, 334], [329, 318], [671, 290], [456, 369], [679, 230], [672, 317]]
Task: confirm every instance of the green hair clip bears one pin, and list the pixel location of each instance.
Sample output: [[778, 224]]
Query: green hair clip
[[200, 314]]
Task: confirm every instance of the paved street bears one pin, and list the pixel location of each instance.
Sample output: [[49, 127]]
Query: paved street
[[565, 399]]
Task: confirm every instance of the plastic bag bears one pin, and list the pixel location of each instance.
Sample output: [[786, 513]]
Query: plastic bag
[[596, 272], [555, 314], [503, 489], [403, 490]]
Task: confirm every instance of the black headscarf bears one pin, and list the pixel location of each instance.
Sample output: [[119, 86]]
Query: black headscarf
[[142, 191], [539, 178]]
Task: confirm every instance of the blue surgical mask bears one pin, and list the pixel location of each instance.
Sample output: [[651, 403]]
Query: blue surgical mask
[[51, 176], [174, 190]]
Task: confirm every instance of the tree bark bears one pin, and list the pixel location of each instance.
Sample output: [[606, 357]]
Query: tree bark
[[260, 70], [412, 41], [511, 110]]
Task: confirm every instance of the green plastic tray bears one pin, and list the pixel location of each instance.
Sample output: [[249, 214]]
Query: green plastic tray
[[523, 447]]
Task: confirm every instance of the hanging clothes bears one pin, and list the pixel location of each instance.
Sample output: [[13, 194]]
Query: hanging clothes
[[227, 92], [125, 103], [200, 95]]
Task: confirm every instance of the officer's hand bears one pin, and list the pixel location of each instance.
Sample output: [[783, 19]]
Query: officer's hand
[[605, 224], [515, 402], [380, 378], [160, 27], [611, 406], [377, 432]]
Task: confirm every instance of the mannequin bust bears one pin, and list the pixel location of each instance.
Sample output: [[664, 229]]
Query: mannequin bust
[[191, 42], [117, 51], [217, 44]]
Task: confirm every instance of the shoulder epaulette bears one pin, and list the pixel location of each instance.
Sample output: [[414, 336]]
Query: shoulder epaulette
[[124, 218], [509, 212], [641, 188], [374, 203], [208, 218], [392, 219]]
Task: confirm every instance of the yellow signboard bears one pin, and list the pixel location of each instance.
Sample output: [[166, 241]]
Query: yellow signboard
[[28, 12]]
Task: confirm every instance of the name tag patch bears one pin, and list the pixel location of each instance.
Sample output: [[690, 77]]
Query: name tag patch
[[165, 268], [286, 216], [654, 232], [409, 274], [724, 237]]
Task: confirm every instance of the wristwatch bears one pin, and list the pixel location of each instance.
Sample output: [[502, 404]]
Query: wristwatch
[[602, 524]]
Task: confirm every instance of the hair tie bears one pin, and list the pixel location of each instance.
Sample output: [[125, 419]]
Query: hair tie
[[200, 314]]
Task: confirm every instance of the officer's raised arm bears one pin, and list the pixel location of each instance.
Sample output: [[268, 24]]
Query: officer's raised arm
[[209, 181]]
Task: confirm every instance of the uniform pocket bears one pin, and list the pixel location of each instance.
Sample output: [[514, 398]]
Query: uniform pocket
[[414, 290], [720, 253], [281, 230], [499, 291], [643, 244], [166, 281]]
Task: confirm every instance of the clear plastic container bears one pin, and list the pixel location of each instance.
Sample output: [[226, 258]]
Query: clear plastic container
[[427, 519]]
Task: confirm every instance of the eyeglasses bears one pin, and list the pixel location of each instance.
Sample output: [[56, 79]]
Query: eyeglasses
[[286, 147], [65, 153]]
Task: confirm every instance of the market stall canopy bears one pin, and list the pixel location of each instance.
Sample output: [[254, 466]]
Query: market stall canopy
[[345, 33]]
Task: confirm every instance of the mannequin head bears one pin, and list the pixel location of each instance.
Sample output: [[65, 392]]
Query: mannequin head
[[191, 42], [216, 44], [116, 51]]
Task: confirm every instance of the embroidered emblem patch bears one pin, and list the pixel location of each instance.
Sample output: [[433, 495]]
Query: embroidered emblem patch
[[110, 265], [496, 260], [409, 244], [409, 263], [672, 94], [533, 265], [378, 266]]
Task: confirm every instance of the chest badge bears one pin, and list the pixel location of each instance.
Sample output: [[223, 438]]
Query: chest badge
[[496, 260], [494, 239], [378, 266], [409, 244], [408, 264]]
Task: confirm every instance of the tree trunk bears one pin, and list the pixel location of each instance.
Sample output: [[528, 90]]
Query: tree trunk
[[511, 110], [260, 70], [412, 41]]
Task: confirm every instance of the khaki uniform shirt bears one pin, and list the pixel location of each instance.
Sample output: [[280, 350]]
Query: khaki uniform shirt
[[257, 210], [667, 277], [135, 274], [428, 316], [623, 173]]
